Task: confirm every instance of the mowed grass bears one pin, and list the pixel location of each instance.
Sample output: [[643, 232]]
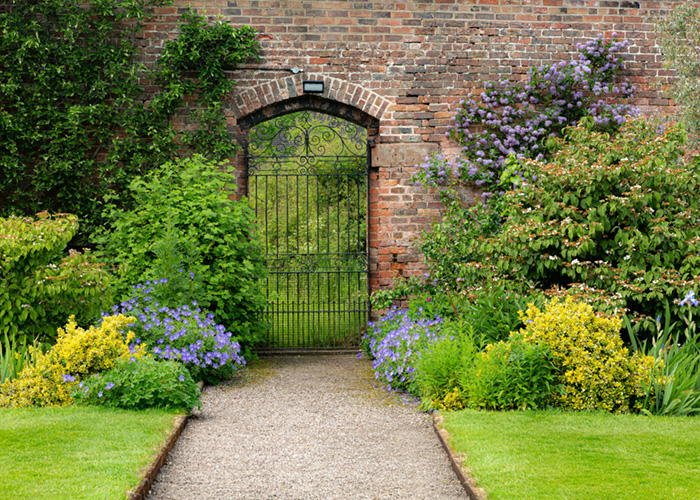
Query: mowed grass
[[77, 452], [578, 456]]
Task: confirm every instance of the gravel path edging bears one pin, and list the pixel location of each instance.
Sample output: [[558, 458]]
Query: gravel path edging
[[465, 479], [141, 491]]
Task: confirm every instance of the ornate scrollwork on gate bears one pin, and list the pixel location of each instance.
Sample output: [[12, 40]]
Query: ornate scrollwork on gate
[[307, 143]]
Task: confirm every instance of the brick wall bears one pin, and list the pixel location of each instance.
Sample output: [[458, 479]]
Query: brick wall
[[405, 64]]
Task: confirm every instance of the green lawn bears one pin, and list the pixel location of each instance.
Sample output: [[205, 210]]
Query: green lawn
[[578, 456], [77, 453]]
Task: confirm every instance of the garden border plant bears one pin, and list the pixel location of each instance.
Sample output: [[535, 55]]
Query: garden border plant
[[39, 288]]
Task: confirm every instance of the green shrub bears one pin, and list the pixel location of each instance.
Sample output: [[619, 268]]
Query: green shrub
[[41, 290], [442, 364], [615, 219], [595, 368], [679, 37], [494, 309], [140, 384], [509, 375], [189, 202]]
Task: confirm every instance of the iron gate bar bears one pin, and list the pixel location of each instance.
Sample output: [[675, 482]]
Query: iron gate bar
[[321, 297]]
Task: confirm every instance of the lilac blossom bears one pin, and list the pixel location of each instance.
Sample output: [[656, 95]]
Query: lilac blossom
[[515, 118]]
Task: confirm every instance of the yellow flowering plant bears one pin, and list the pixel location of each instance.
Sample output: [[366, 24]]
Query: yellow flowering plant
[[78, 353], [596, 369]]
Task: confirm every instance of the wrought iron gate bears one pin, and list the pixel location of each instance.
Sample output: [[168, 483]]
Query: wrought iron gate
[[307, 182]]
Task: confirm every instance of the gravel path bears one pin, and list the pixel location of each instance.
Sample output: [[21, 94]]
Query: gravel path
[[303, 428]]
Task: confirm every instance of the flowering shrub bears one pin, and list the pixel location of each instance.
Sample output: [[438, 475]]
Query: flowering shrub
[[514, 119], [146, 383], [395, 343], [78, 353], [618, 218], [596, 370], [183, 334]]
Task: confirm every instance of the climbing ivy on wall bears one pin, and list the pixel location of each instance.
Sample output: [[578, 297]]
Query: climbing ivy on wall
[[75, 123]]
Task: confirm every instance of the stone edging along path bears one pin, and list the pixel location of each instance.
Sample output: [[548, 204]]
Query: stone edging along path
[[377, 450]]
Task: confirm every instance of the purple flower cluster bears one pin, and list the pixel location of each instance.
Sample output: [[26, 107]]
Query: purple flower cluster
[[183, 333], [690, 300], [515, 119], [396, 342]]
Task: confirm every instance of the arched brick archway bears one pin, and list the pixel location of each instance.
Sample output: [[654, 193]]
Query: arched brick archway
[[397, 210], [285, 95]]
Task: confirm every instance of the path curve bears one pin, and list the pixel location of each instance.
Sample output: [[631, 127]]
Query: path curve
[[305, 428]]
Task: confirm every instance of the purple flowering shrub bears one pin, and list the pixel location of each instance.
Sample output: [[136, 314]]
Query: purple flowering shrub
[[185, 334], [395, 342], [517, 118]]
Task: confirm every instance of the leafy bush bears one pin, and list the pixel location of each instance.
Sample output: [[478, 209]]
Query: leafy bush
[[395, 343], [189, 201], [40, 289], [494, 310], [186, 335], [453, 241], [511, 374], [78, 353], [595, 368], [614, 218], [513, 119], [140, 384], [442, 365]]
